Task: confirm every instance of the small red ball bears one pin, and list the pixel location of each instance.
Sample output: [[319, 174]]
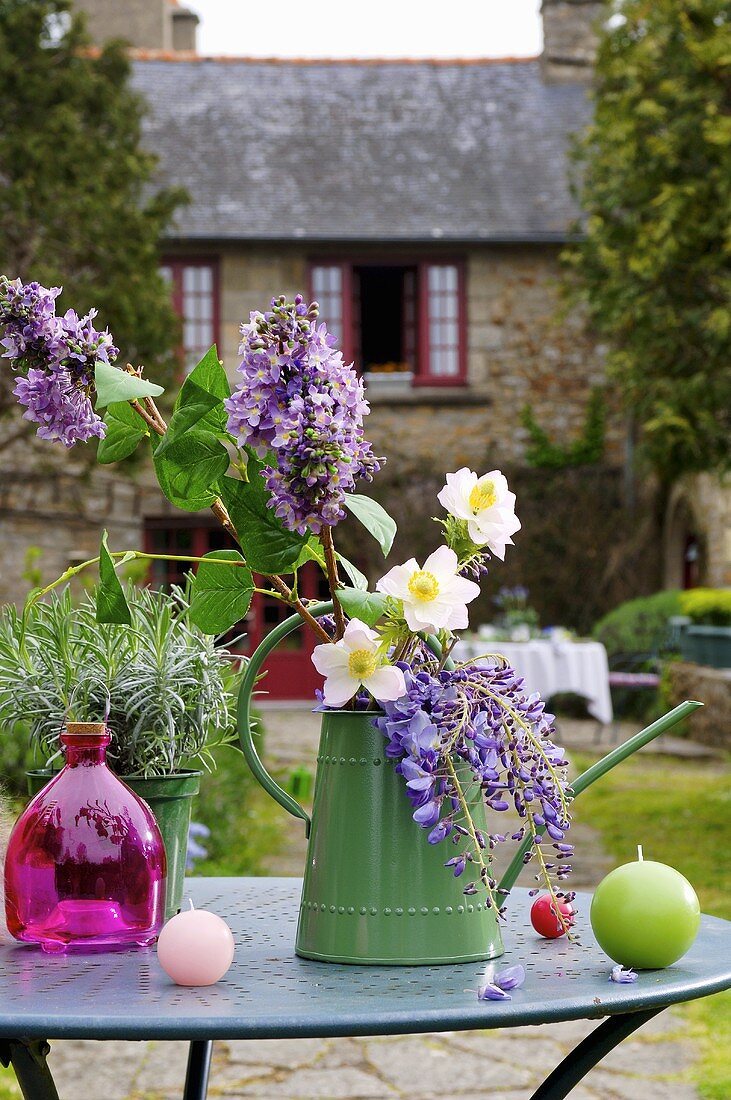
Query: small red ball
[[544, 918]]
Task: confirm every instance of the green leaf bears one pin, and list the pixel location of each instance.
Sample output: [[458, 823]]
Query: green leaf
[[200, 401], [125, 429], [374, 518], [268, 546], [188, 469], [111, 605], [359, 579], [366, 606], [208, 375], [113, 384], [195, 413], [220, 594], [311, 551]]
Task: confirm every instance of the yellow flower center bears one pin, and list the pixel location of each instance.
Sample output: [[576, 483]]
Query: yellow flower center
[[424, 586], [361, 664], [482, 496]]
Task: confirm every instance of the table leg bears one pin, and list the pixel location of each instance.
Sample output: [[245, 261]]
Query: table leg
[[28, 1059], [199, 1066], [589, 1052]]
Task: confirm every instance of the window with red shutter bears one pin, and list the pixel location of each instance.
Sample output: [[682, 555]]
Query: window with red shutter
[[395, 317], [194, 290]]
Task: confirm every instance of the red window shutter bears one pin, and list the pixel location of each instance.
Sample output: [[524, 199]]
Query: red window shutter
[[442, 357], [331, 284], [194, 287]]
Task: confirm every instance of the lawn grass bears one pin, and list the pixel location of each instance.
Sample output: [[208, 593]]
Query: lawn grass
[[9, 1088], [680, 811]]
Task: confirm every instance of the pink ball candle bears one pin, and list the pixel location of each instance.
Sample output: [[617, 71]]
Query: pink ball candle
[[195, 947]]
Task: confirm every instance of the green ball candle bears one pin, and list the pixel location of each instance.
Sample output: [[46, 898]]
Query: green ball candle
[[645, 914]]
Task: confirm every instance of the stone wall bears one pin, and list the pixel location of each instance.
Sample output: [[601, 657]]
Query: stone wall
[[699, 506], [519, 353], [711, 723], [50, 502]]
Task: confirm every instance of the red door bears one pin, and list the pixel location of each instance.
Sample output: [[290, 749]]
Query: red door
[[290, 672]]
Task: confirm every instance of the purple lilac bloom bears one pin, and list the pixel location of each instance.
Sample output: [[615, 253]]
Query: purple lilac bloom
[[299, 400], [58, 356], [478, 718], [63, 411]]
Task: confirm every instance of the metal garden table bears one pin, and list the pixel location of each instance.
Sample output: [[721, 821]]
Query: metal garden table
[[269, 993]]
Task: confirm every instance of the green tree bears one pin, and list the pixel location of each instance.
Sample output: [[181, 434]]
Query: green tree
[[654, 265], [77, 203]]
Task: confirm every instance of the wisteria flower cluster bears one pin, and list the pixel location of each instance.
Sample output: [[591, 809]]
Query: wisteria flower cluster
[[299, 406], [472, 734], [55, 357]]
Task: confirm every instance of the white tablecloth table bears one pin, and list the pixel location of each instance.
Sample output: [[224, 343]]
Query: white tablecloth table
[[550, 667]]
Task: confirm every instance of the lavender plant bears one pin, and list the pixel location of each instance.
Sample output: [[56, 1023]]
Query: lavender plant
[[456, 734], [160, 684]]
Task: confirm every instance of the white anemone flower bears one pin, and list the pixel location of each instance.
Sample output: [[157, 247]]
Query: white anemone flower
[[435, 597], [353, 662], [487, 506]]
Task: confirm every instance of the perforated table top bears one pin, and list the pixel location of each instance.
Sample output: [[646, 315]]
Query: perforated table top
[[270, 993]]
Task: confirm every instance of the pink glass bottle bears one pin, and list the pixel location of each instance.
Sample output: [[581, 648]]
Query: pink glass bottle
[[85, 867]]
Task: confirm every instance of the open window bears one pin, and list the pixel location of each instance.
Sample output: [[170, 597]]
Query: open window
[[397, 319]]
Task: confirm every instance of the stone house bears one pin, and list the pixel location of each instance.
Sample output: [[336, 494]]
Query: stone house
[[423, 203]]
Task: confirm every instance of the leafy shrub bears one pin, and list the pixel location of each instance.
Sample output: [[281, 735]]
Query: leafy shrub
[[638, 626], [160, 684], [711, 606]]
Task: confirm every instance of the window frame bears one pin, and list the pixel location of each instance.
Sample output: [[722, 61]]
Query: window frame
[[422, 376], [177, 264]]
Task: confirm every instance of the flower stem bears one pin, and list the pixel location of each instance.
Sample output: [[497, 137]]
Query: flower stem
[[326, 538], [471, 830], [153, 418]]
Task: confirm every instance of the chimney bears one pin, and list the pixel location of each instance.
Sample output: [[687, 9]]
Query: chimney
[[142, 23], [184, 27], [570, 38], [145, 24]]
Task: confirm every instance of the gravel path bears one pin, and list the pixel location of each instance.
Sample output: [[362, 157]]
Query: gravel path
[[504, 1065]]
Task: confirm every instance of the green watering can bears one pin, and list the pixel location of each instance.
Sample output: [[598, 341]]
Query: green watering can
[[374, 891]]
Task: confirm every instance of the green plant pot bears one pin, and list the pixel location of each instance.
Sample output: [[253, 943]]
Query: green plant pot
[[169, 797], [707, 645]]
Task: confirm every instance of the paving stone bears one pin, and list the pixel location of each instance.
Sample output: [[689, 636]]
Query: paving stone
[[424, 1065], [276, 1053], [94, 1070], [162, 1068], [579, 1093], [620, 1086], [651, 1059], [515, 1049], [567, 1034], [343, 1083]]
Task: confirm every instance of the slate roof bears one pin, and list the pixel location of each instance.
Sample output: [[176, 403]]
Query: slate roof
[[360, 151]]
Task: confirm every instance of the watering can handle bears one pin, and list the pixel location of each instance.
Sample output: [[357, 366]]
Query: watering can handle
[[243, 719]]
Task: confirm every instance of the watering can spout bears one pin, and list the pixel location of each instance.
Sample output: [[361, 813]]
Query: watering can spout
[[596, 771]]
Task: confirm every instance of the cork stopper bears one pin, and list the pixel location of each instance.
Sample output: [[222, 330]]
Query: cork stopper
[[86, 729]]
